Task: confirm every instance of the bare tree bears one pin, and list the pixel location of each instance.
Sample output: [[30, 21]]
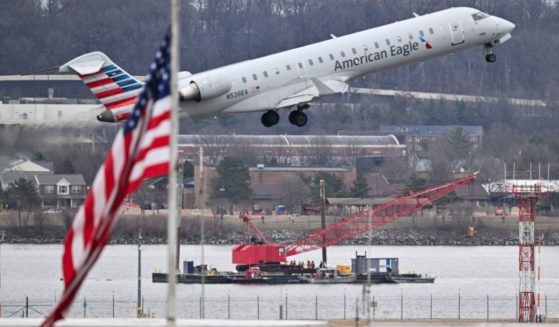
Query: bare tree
[[294, 193]]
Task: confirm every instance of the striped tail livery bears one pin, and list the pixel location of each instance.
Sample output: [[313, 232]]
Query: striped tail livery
[[116, 89]]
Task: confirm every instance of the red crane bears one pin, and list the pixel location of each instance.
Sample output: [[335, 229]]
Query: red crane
[[258, 254]]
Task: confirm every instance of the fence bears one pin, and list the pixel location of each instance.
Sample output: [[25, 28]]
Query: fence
[[296, 307]]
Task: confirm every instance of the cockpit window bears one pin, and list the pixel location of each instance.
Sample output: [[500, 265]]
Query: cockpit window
[[479, 16]]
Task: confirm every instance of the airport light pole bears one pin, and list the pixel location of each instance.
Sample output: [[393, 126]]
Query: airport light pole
[[139, 307], [323, 215]]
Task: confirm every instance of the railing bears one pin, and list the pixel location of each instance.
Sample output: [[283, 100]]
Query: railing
[[318, 307]]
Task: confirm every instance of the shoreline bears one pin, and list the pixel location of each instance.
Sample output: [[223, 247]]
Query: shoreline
[[427, 230], [378, 238]]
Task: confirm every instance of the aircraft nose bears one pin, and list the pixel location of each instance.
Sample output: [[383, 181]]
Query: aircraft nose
[[509, 26], [506, 25]]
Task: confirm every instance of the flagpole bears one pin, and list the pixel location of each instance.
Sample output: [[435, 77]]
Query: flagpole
[[172, 189]]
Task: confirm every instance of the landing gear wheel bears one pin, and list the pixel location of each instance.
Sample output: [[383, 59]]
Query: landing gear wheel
[[269, 118], [488, 51], [491, 58], [292, 116], [298, 118]]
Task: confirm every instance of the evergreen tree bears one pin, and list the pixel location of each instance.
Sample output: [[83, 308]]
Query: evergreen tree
[[188, 169], [360, 188], [2, 198], [416, 183], [334, 186], [22, 194], [232, 181]]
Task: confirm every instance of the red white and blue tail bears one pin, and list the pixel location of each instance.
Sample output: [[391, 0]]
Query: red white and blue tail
[[115, 88]]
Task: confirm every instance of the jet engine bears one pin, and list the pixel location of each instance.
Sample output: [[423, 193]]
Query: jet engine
[[203, 88]]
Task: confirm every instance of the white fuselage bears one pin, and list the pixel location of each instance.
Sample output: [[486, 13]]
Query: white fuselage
[[291, 77]]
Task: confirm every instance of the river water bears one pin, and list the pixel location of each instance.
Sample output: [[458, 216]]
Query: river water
[[471, 282]]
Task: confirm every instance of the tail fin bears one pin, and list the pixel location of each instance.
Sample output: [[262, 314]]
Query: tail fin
[[115, 88]]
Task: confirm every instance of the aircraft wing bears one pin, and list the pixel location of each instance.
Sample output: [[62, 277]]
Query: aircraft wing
[[317, 89]]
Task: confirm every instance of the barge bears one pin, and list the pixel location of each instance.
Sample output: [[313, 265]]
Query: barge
[[380, 270]]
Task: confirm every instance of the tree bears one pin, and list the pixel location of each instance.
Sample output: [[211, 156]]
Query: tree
[[334, 186], [232, 181], [293, 192], [360, 188], [22, 194], [416, 183], [188, 169], [2, 198], [458, 144]]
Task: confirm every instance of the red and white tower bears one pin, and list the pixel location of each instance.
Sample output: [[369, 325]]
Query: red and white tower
[[527, 196]]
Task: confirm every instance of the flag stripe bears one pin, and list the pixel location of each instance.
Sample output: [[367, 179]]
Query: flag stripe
[[88, 213]]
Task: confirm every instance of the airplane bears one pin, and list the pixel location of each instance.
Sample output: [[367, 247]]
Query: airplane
[[294, 78]]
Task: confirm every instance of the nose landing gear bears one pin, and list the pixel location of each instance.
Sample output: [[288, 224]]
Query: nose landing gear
[[489, 55]]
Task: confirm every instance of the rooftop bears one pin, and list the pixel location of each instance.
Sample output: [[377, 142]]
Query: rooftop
[[434, 130], [53, 179], [286, 140]]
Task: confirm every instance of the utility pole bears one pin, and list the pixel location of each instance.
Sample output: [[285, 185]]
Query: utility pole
[[323, 215], [139, 307]]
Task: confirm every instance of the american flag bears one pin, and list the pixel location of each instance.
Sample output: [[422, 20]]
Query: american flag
[[141, 150]]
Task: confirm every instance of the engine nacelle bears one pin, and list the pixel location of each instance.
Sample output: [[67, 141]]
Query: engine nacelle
[[205, 88]]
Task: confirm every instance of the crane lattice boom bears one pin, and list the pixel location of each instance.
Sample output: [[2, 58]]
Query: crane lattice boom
[[375, 217]]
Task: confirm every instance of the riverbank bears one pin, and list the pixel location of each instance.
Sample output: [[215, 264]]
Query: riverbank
[[418, 230]]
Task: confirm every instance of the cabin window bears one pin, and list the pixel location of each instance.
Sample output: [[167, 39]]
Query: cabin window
[[343, 54], [288, 67], [399, 39], [331, 57], [277, 71], [376, 45], [254, 77], [431, 30], [265, 73], [311, 62], [387, 42], [300, 65], [320, 60], [244, 79], [365, 48], [353, 50], [421, 33], [410, 36]]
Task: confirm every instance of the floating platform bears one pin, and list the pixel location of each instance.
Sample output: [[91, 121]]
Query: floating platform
[[380, 270], [231, 278], [274, 279]]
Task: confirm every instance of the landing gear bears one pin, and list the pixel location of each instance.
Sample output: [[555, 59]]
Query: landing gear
[[491, 58], [269, 118], [489, 55], [298, 117]]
